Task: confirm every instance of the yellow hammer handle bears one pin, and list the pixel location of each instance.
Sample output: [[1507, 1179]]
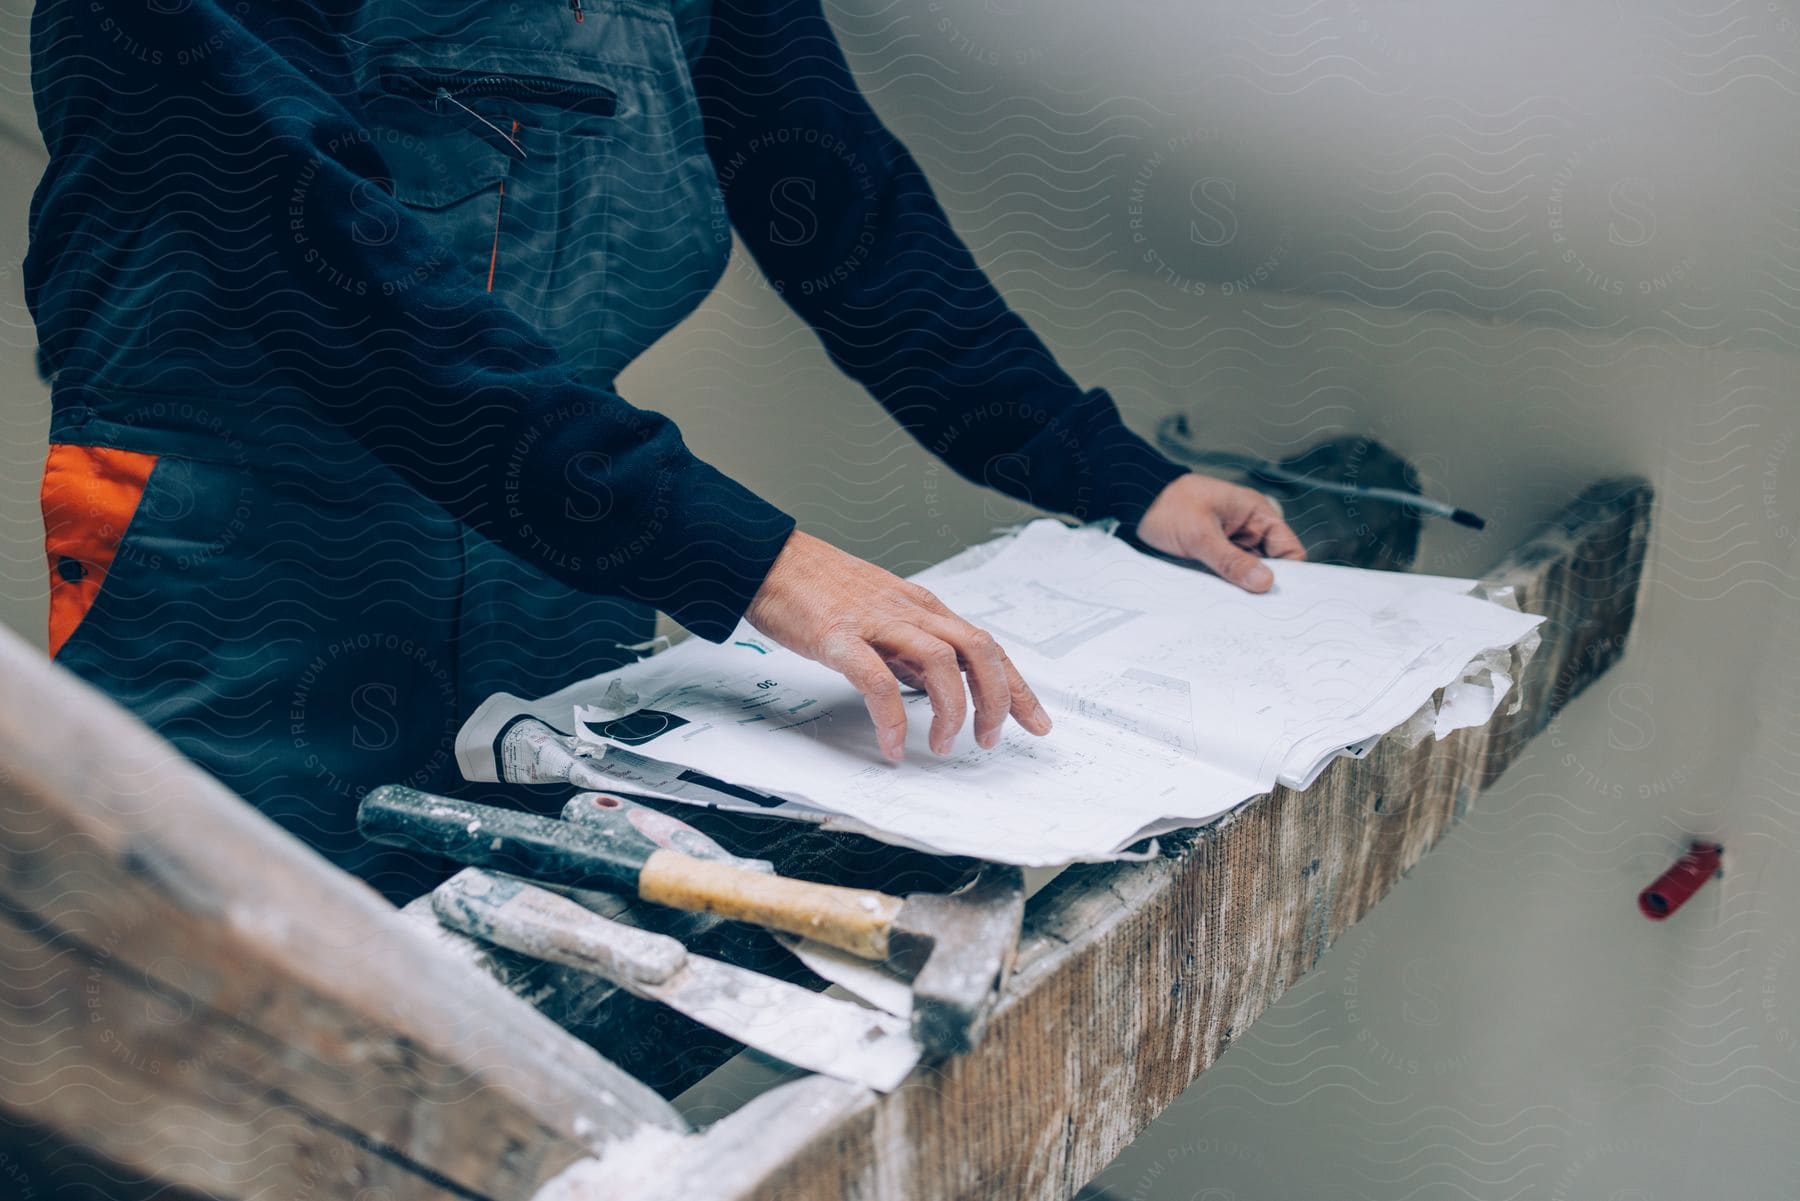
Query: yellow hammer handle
[[856, 920]]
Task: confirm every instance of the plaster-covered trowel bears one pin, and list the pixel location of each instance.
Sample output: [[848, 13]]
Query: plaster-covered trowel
[[819, 1033], [528, 751], [574, 998]]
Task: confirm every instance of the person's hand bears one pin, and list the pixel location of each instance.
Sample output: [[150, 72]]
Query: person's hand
[[1223, 525], [877, 630]]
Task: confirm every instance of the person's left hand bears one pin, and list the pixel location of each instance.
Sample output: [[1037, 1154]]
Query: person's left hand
[[1223, 525]]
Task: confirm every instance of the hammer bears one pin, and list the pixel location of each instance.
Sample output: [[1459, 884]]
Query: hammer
[[956, 949]]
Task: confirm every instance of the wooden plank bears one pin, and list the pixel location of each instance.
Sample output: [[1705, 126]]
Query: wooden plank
[[107, 1050], [1133, 978], [316, 1023], [1581, 571]]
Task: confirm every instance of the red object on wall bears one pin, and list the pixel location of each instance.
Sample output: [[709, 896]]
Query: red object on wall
[[1675, 886]]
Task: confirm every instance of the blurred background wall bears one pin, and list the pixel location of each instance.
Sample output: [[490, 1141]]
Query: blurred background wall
[[1528, 245]]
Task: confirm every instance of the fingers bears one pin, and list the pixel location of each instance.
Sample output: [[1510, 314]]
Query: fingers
[[906, 676], [905, 635], [1227, 548], [1027, 710], [951, 661], [997, 686], [978, 657], [1264, 529], [868, 673], [1280, 542], [935, 664], [1021, 701], [1234, 564]]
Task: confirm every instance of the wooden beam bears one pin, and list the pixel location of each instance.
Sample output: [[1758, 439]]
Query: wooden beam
[[1133, 978], [111, 1050], [197, 996]]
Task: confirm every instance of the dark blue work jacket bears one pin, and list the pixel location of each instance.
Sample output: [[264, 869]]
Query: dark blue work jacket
[[361, 274]]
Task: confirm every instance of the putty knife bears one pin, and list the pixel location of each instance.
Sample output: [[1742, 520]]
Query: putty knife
[[819, 1033]]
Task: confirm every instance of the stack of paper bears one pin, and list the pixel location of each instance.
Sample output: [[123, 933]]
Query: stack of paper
[[1176, 697]]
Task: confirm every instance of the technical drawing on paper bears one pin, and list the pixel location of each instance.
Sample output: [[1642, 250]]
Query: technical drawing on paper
[[1049, 621], [1175, 697], [1146, 703]]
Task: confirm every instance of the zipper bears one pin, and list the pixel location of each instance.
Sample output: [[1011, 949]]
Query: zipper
[[575, 7], [499, 211], [591, 98]]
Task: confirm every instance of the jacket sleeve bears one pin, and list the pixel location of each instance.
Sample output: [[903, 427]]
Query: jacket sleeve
[[212, 156], [845, 226]]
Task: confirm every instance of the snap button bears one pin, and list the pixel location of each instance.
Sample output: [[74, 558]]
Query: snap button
[[71, 570]]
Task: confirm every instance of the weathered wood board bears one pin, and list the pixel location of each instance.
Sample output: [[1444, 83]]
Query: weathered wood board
[[193, 994], [1133, 978]]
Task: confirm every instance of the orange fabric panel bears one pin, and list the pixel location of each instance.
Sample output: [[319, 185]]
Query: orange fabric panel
[[89, 496]]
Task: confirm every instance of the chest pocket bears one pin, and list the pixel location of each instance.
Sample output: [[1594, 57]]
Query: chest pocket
[[509, 173], [573, 186]]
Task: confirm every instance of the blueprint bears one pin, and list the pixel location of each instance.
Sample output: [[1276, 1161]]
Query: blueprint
[[1175, 697]]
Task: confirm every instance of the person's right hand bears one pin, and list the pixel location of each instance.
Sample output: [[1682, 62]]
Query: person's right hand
[[873, 626]]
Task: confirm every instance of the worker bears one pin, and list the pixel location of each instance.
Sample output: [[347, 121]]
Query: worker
[[331, 295]]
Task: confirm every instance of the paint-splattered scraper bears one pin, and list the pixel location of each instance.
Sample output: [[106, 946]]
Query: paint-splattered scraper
[[806, 1029]]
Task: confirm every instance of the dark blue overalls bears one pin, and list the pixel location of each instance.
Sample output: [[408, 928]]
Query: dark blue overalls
[[273, 600]]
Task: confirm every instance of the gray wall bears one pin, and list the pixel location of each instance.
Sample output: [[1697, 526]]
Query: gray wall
[[1528, 245], [24, 401]]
